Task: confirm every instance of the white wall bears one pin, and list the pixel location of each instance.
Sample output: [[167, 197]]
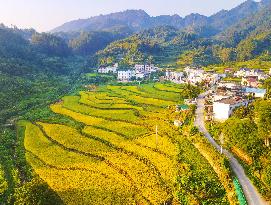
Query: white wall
[[221, 111]]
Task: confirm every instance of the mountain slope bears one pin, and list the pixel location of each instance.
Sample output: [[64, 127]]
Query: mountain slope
[[12, 44], [134, 19], [161, 45], [254, 24], [28, 67], [87, 43], [224, 19], [246, 40]]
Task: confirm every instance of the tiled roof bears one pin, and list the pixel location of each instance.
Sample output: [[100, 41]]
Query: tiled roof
[[231, 100]]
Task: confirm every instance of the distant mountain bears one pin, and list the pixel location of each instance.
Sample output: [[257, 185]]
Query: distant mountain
[[138, 20], [134, 19], [224, 19]]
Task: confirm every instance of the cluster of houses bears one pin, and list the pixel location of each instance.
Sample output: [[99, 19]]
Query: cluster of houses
[[108, 69], [250, 77], [139, 72], [193, 76], [227, 96]]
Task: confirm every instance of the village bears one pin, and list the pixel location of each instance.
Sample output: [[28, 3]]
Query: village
[[139, 72], [223, 95]]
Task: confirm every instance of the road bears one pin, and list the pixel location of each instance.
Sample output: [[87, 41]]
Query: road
[[252, 195]]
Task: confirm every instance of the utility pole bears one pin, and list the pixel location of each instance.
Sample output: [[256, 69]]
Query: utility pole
[[221, 142], [156, 136]]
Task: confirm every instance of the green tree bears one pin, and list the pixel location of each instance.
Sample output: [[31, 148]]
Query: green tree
[[263, 119], [267, 86], [190, 91]]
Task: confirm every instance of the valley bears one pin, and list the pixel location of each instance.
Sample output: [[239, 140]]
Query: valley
[[111, 109]]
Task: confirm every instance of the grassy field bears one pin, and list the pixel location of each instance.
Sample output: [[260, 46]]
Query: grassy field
[[116, 156]]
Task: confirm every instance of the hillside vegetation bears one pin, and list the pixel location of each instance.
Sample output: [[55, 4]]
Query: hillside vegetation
[[246, 39], [246, 133]]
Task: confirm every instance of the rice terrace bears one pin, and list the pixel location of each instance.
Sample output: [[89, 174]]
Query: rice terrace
[[118, 145]]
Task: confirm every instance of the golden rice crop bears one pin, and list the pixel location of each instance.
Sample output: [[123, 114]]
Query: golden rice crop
[[138, 99], [169, 88], [161, 143], [112, 104], [82, 187], [72, 103], [151, 91], [128, 129], [47, 151], [164, 164], [116, 158], [102, 98], [145, 180]]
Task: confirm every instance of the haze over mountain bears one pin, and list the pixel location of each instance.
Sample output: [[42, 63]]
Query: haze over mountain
[[137, 20]]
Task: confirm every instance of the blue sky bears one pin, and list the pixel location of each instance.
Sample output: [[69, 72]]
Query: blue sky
[[44, 15]]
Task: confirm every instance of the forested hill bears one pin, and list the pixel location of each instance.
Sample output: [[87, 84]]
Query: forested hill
[[252, 25], [248, 39], [34, 69], [160, 45]]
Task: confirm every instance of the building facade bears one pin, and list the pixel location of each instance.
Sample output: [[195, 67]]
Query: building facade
[[104, 70], [223, 108], [145, 68], [126, 75]]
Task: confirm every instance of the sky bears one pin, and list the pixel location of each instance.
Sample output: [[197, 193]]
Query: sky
[[44, 15]]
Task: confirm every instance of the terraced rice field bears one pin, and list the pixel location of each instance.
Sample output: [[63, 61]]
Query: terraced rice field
[[117, 158]]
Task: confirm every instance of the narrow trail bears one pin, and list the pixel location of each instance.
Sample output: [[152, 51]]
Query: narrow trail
[[252, 195]]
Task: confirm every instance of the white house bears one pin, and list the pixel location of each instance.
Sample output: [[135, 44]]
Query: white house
[[110, 69], [175, 77], [245, 72], [195, 72], [242, 72], [194, 75], [223, 108], [145, 68], [140, 68], [126, 75]]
